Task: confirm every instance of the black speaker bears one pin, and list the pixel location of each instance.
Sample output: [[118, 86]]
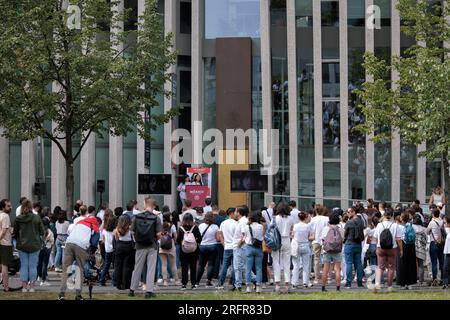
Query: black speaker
[[101, 186], [39, 189]]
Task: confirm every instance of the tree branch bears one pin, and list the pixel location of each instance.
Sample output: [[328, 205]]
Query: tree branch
[[82, 145]]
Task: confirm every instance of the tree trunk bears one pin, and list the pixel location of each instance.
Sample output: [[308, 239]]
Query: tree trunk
[[446, 168], [69, 178]]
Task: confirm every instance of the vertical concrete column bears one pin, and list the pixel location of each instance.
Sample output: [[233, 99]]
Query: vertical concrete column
[[396, 143], [170, 24], [266, 78], [140, 147], [87, 171], [4, 166], [116, 142], [343, 53], [370, 147], [28, 168], [58, 174], [421, 174], [293, 96], [197, 80], [318, 139]]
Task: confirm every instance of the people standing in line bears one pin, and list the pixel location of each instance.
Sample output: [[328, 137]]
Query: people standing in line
[[28, 230], [408, 267], [208, 248], [388, 238], [437, 196], [167, 249], [146, 228], [222, 215], [294, 212], [437, 245], [107, 239], [189, 239], [318, 222], [200, 215], [253, 235], [226, 236], [372, 242], [102, 210], [44, 254], [301, 259], [421, 247], [208, 208], [239, 256], [83, 214], [62, 228], [332, 242], [124, 253], [353, 237], [188, 209], [82, 241], [282, 257], [6, 248]]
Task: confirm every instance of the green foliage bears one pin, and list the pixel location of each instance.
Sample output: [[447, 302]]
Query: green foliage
[[418, 104], [96, 87]]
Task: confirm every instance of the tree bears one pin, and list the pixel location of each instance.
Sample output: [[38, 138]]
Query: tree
[[99, 86], [418, 105]]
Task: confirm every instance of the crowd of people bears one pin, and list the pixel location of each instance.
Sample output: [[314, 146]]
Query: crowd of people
[[277, 246]]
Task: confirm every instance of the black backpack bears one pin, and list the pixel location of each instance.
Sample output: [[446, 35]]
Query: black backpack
[[386, 240], [145, 228], [166, 242]]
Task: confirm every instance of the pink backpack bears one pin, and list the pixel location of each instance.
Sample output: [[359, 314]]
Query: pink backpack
[[333, 241], [189, 243]]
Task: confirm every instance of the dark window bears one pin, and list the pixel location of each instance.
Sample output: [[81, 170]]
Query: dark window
[[131, 8], [185, 86], [184, 119], [330, 13], [185, 17], [184, 61]]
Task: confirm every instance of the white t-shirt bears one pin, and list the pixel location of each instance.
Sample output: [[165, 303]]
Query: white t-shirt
[[209, 237], [317, 224], [434, 227], [75, 221], [62, 228], [228, 227], [371, 233], [302, 232], [294, 216], [284, 225], [19, 208], [240, 229], [101, 214], [207, 209], [447, 242], [191, 211], [108, 236], [393, 227], [182, 187], [267, 216], [257, 230]]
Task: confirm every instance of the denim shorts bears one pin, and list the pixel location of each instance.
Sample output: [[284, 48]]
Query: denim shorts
[[331, 257]]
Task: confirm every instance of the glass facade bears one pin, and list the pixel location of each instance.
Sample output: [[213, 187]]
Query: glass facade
[[280, 91], [356, 76], [231, 18], [305, 102]]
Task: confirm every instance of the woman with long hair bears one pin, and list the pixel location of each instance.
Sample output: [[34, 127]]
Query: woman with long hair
[[197, 179], [253, 235], [107, 239], [28, 230], [123, 254], [62, 228], [167, 250], [188, 259]]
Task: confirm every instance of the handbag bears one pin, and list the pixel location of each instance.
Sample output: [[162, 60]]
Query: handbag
[[255, 242], [294, 247]]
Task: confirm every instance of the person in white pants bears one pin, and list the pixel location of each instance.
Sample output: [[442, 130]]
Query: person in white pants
[[301, 255], [282, 258]]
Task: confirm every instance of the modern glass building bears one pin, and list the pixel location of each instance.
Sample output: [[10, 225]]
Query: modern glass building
[[291, 65]]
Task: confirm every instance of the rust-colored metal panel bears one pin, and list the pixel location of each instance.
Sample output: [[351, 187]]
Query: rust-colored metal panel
[[233, 83]]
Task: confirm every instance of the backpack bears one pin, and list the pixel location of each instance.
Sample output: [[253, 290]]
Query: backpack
[[166, 242], [443, 235], [332, 243], [189, 243], [145, 228], [410, 234], [386, 239], [273, 236]]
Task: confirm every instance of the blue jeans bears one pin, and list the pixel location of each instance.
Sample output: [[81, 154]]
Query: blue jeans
[[208, 254], [44, 256], [28, 266], [227, 262], [59, 254], [353, 257], [106, 265], [239, 262], [254, 257], [436, 255]]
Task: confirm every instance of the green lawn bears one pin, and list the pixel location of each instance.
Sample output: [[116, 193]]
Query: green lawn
[[241, 296]]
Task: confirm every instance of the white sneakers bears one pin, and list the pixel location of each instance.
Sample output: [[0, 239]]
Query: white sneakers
[[31, 290], [390, 289], [165, 283], [249, 289], [24, 290], [45, 284], [159, 281]]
